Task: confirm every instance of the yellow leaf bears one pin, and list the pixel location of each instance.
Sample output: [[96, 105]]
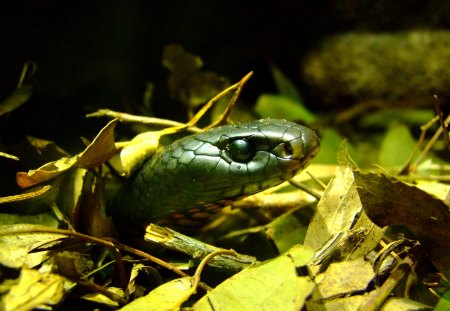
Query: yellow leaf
[[168, 296], [272, 285], [34, 289], [99, 151]]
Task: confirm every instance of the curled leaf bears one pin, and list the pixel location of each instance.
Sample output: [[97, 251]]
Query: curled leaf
[[99, 151]]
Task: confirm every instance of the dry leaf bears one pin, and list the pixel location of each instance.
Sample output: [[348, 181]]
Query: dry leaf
[[100, 150], [390, 202], [344, 278], [187, 83], [168, 296], [14, 249], [340, 212], [272, 285], [26, 196], [138, 149], [34, 289]]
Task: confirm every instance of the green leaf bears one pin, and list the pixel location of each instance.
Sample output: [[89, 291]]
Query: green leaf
[[444, 302], [386, 116], [330, 142], [282, 107], [284, 85], [15, 99], [287, 230], [396, 147]]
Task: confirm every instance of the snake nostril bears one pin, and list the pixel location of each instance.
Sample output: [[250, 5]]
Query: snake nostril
[[241, 150], [283, 150]]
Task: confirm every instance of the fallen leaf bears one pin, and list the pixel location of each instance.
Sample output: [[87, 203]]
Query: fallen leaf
[[404, 304], [34, 289], [390, 202], [343, 278], [168, 296], [14, 249], [137, 150], [340, 280], [338, 212], [104, 300], [99, 151], [348, 303], [272, 285]]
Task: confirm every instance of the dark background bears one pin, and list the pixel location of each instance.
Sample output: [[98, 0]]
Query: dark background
[[97, 54]]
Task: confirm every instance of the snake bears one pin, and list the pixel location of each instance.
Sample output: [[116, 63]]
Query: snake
[[192, 178]]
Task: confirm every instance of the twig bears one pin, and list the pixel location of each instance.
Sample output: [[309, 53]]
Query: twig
[[104, 242], [100, 289], [317, 180], [196, 249], [28, 69], [275, 201], [224, 116], [126, 117], [437, 106], [408, 264], [201, 266], [429, 145], [9, 156], [192, 122], [237, 86], [308, 190]]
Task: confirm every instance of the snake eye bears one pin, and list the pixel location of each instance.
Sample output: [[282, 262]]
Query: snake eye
[[283, 150], [241, 150]]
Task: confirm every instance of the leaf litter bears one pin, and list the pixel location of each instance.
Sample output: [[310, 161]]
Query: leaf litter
[[346, 256]]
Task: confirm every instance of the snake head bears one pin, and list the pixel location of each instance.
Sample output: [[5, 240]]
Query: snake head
[[215, 167], [234, 161]]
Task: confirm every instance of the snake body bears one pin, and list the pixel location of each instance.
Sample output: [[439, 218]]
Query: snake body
[[189, 179]]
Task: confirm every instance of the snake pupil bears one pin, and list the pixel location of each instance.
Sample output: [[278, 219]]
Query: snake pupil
[[241, 150]]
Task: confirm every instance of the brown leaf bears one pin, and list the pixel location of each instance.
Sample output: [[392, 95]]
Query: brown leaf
[[390, 202]]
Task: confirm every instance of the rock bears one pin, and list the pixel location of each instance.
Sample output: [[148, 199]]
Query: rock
[[393, 67]]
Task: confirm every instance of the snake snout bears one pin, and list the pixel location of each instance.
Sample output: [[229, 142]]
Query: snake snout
[[311, 144]]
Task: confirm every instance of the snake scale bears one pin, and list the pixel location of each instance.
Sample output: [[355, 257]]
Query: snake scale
[[191, 178]]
